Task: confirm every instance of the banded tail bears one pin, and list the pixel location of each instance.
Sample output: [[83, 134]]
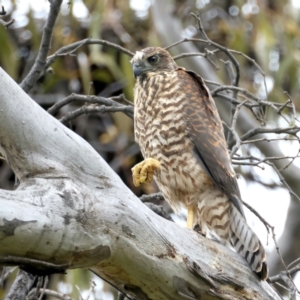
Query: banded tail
[[247, 244]]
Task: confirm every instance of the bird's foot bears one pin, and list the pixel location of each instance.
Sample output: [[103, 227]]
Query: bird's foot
[[143, 172], [190, 217]]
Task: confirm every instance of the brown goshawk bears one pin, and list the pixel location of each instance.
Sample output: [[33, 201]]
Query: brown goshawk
[[181, 137]]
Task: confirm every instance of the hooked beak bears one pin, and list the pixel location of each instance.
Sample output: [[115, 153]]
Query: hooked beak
[[138, 69]]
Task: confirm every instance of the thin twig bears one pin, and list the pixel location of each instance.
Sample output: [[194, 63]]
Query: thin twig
[[263, 220], [289, 130], [284, 106], [96, 109], [2, 12], [265, 139], [40, 62], [33, 294], [232, 129], [293, 106], [256, 65], [46, 279], [283, 181], [184, 55], [272, 228], [296, 261], [235, 89], [23, 261], [7, 24], [89, 99], [261, 102], [57, 295], [67, 50], [221, 48]]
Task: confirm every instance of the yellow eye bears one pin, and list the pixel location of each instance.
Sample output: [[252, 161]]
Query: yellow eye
[[153, 59]]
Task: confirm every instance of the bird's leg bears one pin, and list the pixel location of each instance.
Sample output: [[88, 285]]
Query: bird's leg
[[190, 217], [143, 172]]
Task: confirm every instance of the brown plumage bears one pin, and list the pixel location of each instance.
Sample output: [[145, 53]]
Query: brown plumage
[[181, 138]]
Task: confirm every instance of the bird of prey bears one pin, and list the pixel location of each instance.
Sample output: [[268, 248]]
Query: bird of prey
[[181, 137]]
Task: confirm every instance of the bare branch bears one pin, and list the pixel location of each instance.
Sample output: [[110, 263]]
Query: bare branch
[[34, 263], [40, 62], [256, 65], [269, 227], [127, 110], [232, 129], [34, 293], [283, 181], [289, 130], [284, 106], [54, 294], [70, 49], [89, 99], [2, 12], [236, 89], [46, 279], [263, 220], [183, 55], [292, 105], [5, 24], [221, 48], [296, 261], [265, 139]]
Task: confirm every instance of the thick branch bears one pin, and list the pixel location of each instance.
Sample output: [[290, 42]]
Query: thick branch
[[80, 214]]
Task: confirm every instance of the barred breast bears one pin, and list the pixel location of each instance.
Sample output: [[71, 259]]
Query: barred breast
[[160, 131], [177, 123]]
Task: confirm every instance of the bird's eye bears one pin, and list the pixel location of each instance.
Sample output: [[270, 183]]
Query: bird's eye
[[153, 59]]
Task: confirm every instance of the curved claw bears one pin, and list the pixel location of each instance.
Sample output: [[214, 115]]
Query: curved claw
[[144, 171]]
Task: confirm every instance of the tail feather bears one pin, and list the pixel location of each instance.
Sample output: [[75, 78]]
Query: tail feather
[[247, 244]]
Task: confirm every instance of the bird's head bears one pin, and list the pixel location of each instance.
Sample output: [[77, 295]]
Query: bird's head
[[152, 59]]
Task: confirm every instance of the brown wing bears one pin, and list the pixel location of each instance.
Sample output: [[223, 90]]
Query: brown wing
[[205, 129]]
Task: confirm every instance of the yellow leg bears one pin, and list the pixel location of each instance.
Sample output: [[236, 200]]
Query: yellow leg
[[143, 172], [190, 217]]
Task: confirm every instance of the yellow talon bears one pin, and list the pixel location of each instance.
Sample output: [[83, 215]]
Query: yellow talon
[[143, 172], [190, 217]]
